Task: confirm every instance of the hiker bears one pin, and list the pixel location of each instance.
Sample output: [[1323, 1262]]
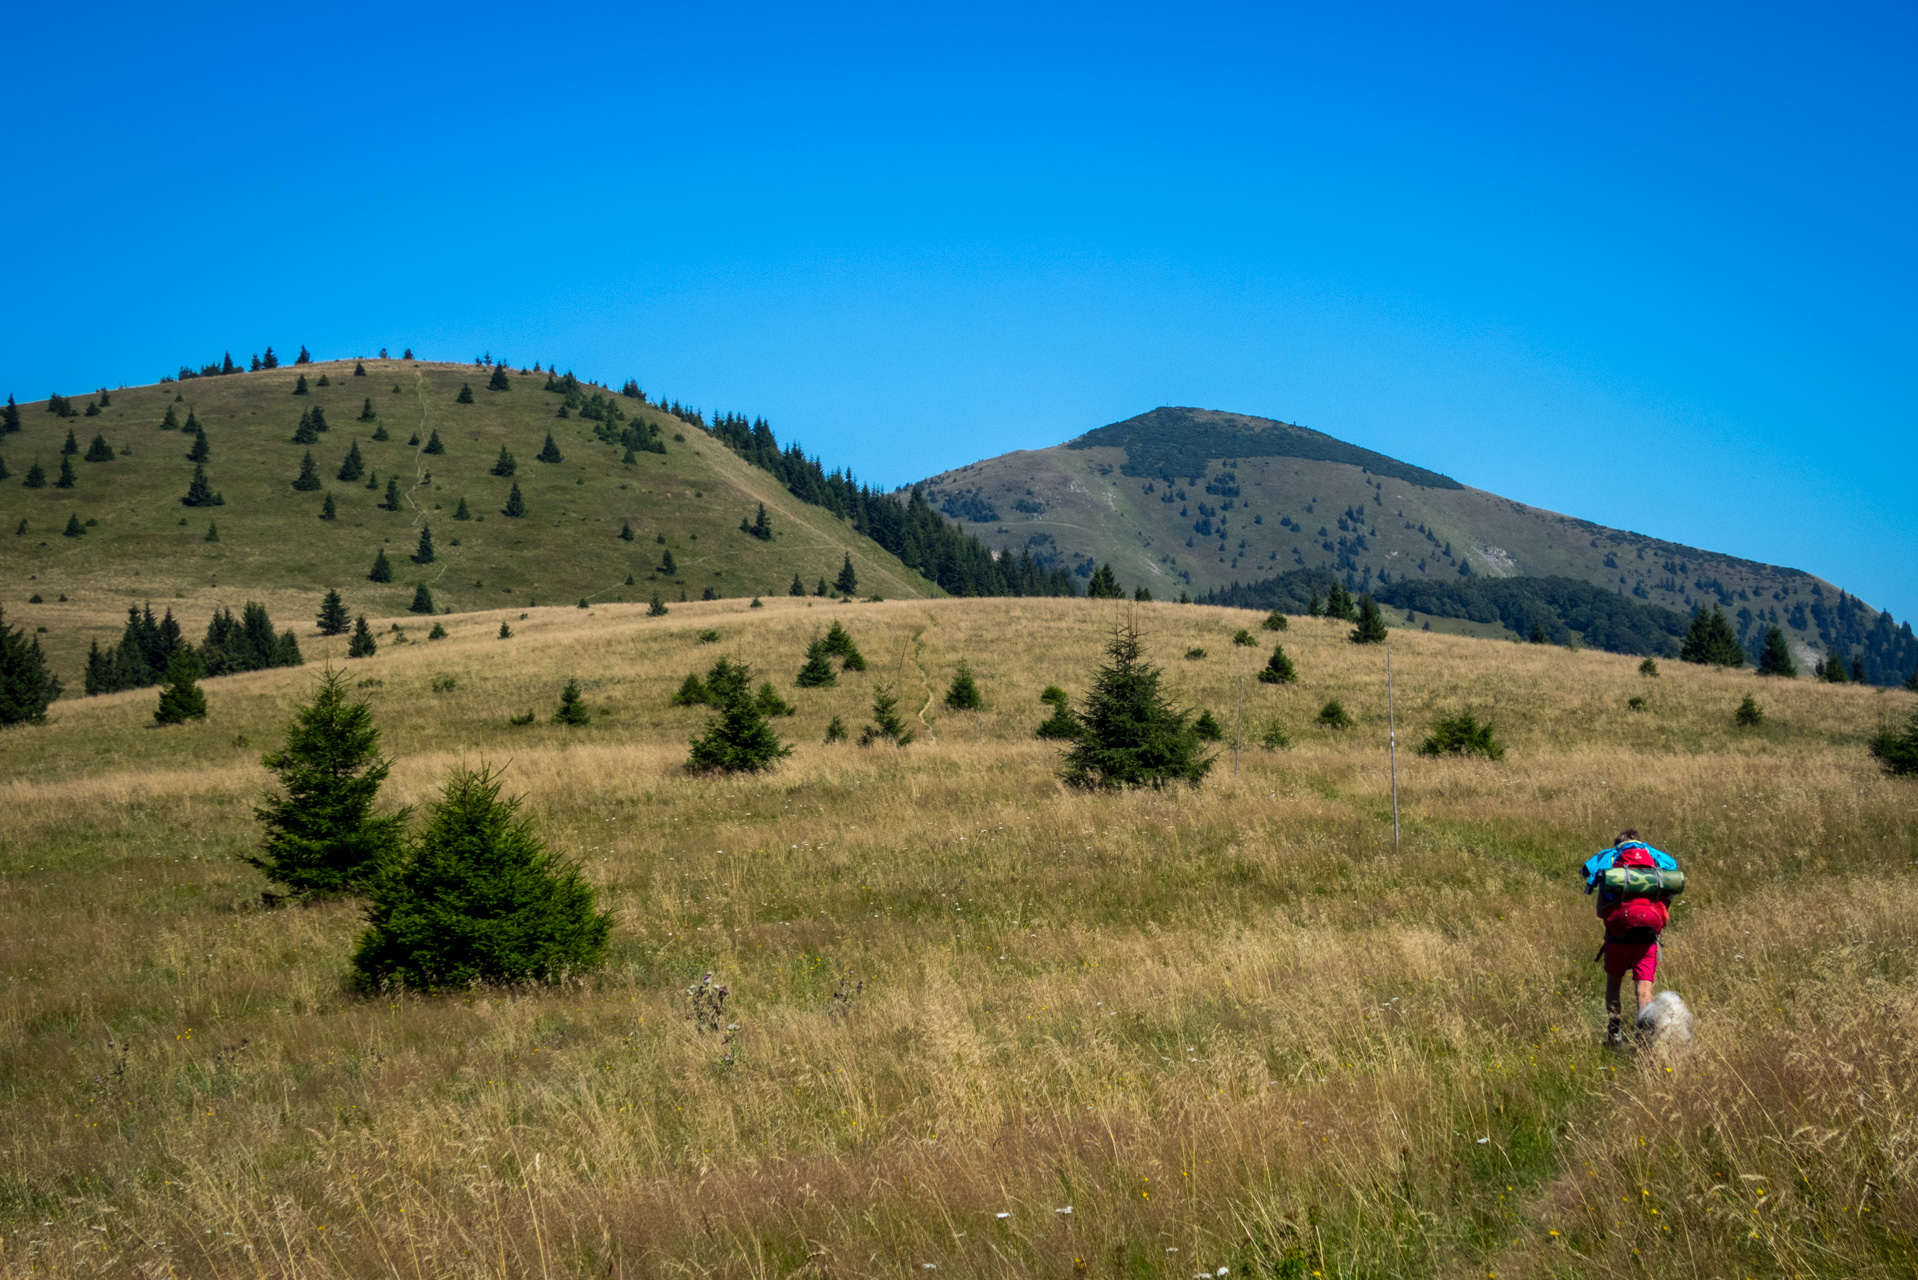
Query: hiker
[[1635, 909]]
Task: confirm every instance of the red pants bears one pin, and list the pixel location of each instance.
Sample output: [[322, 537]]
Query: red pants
[[1640, 959]]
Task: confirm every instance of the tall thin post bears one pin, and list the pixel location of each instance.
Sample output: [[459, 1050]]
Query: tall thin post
[[1238, 729], [1392, 741]]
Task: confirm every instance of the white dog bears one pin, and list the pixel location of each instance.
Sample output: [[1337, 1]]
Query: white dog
[[1665, 1025]]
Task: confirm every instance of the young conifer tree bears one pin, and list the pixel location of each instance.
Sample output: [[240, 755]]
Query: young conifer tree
[[305, 433], [666, 564], [321, 835], [71, 446], [1274, 621], [181, 699], [1061, 724], [499, 381], [626, 531], [433, 444], [1775, 658], [505, 466], [366, 413], [1104, 585], [353, 467], [847, 582], [515, 505], [212, 532], [74, 528], [299, 386], [572, 707], [67, 479], [549, 452], [655, 609], [1130, 734], [37, 477], [818, 672], [333, 620], [309, 477], [798, 588], [362, 645], [99, 450], [763, 530], [382, 570], [424, 553], [1278, 668], [1371, 628], [839, 644], [329, 510], [479, 898], [1710, 641], [737, 739], [963, 693], [27, 686], [465, 396], [422, 600], [887, 724], [392, 502]]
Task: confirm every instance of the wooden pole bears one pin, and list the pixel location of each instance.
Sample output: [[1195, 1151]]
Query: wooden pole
[[1392, 741], [1238, 730]]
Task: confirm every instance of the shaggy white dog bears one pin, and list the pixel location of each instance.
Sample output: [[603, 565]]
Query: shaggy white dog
[[1665, 1024]]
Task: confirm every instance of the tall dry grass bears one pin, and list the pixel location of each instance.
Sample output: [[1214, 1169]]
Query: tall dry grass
[[1227, 1027]]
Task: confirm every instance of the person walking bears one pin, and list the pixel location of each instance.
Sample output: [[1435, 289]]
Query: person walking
[[1635, 910]]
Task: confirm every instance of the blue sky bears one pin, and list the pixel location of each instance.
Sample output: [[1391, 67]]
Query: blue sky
[[1652, 266]]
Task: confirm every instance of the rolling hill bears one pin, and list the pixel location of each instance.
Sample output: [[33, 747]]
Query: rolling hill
[[1195, 500], [680, 492]]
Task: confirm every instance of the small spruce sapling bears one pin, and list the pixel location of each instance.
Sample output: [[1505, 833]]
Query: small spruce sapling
[[839, 644], [181, 699], [433, 444], [27, 686], [515, 507], [1130, 735], [438, 632], [1749, 714], [963, 693], [1775, 658], [1648, 668], [886, 724], [1061, 724], [737, 739], [362, 645], [798, 588], [1278, 668], [1371, 627], [465, 396], [352, 467], [549, 452], [847, 582], [836, 730], [99, 450], [1462, 735], [67, 478], [309, 477], [817, 673], [74, 528], [329, 510], [422, 600], [1207, 727], [37, 477], [572, 707], [392, 502], [1333, 715], [504, 465], [1274, 737], [333, 619], [478, 898], [1274, 621], [424, 553], [382, 570]]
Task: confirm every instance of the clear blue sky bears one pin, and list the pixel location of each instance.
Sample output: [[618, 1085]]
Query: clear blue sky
[[1652, 266]]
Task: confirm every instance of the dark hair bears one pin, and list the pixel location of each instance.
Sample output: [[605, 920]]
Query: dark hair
[[1629, 833]]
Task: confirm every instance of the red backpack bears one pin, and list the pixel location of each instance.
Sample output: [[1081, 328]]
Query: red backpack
[[1622, 915]]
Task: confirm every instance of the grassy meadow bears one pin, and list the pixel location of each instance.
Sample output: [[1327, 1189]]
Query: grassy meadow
[[978, 1024]]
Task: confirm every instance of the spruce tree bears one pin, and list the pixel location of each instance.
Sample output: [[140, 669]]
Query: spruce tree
[[1315, 609], [433, 444], [1710, 641], [4, 473], [626, 531], [818, 591], [181, 699], [333, 619], [462, 512], [771, 704], [1338, 603], [99, 450], [506, 633], [212, 532], [27, 686], [380, 432], [1333, 715], [299, 386], [465, 396], [1835, 669], [515, 505], [737, 739], [1775, 658], [499, 381], [692, 692], [655, 609], [422, 600], [1897, 750], [666, 564], [382, 570], [72, 446], [329, 510], [200, 450], [199, 491], [1462, 735], [67, 478], [424, 554], [1104, 585], [798, 588], [392, 502], [309, 477], [10, 417], [359, 368], [1061, 724], [1278, 668], [353, 467], [37, 477], [847, 582], [478, 898], [549, 452], [886, 725], [1274, 621], [505, 465], [1749, 714], [839, 644], [818, 672], [763, 530], [963, 693], [572, 708], [321, 836], [1371, 628], [306, 432], [1129, 734], [74, 528], [362, 645], [1207, 728], [366, 412], [438, 632]]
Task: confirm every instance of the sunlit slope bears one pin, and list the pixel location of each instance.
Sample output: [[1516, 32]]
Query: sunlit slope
[[1195, 499], [272, 542]]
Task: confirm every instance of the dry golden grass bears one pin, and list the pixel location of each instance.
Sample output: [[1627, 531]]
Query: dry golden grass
[[1229, 1027]]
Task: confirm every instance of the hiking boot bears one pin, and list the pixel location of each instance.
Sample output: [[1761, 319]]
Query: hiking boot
[[1614, 1038]]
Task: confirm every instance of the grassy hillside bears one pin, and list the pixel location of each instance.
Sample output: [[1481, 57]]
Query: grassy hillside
[[274, 547], [1225, 1027], [1215, 498]]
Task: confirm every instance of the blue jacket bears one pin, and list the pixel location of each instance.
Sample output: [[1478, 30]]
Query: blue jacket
[[1600, 862]]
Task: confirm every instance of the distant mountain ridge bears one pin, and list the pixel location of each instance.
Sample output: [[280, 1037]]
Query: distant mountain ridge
[[1214, 504]]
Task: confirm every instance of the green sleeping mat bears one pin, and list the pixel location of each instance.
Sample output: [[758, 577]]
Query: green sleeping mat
[[1643, 882]]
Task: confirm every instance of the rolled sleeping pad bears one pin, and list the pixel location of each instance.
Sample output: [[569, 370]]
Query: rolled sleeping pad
[[1643, 882]]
